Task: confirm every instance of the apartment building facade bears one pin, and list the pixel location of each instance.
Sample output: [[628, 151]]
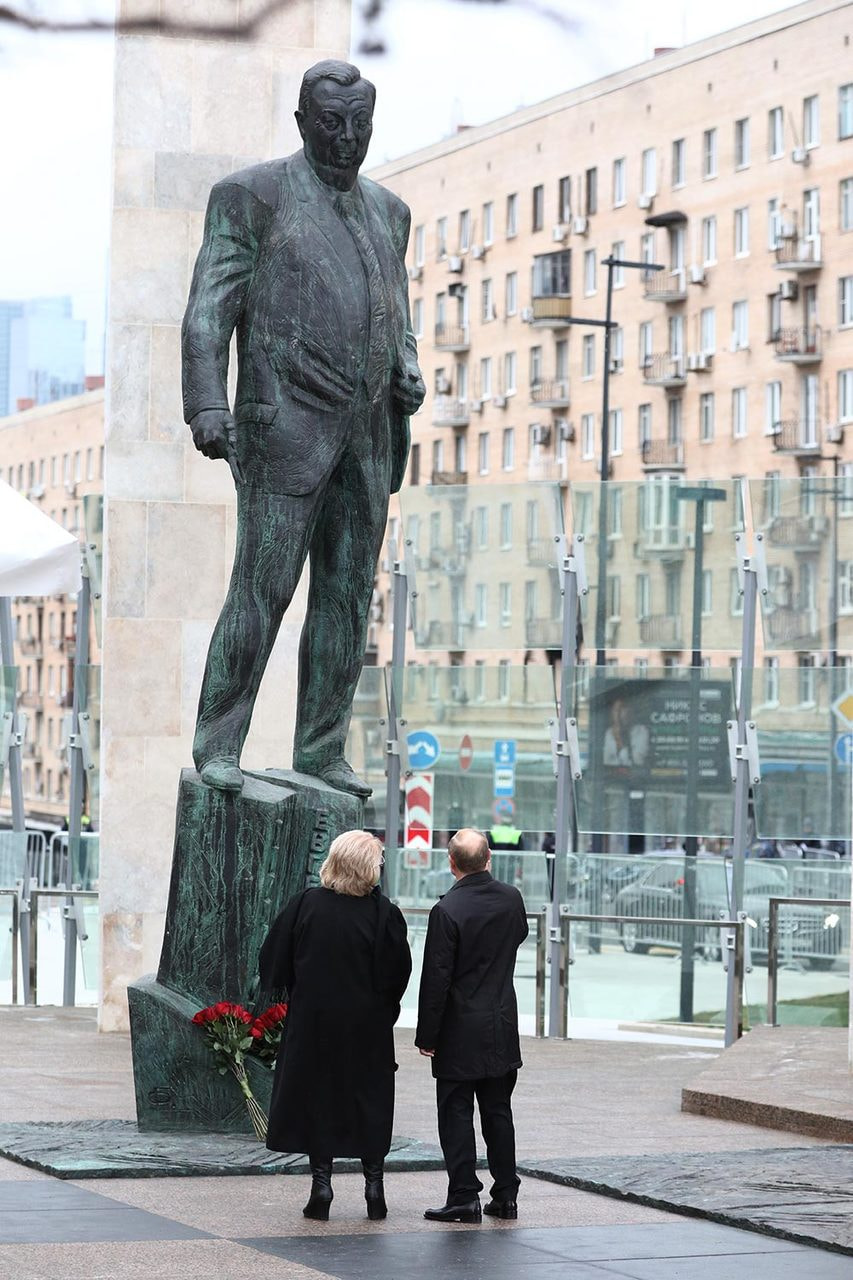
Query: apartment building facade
[[729, 163], [54, 456]]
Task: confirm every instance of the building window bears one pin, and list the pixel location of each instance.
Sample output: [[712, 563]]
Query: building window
[[615, 432], [775, 133], [845, 586], [437, 464], [811, 213], [561, 359], [845, 473], [486, 377], [618, 252], [845, 300], [535, 366], [646, 339], [673, 420], [709, 241], [488, 310], [488, 223], [504, 677], [811, 121], [774, 223], [591, 191], [707, 592], [708, 331], [508, 449], [644, 425], [511, 292], [649, 172], [587, 436], [589, 271], [845, 395], [617, 350], [441, 238], [415, 464], [564, 200], [505, 526], [806, 679], [538, 212], [505, 598], [772, 407], [481, 604], [679, 162], [552, 274], [735, 596], [510, 374], [739, 412], [512, 215], [418, 317], [845, 212], [588, 355], [647, 247], [740, 325], [845, 111], [619, 192], [706, 417], [741, 143], [481, 527], [483, 453], [420, 246], [709, 153], [460, 453], [741, 233], [771, 680]]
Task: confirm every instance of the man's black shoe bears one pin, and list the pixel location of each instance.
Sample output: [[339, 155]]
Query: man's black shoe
[[501, 1209], [470, 1212]]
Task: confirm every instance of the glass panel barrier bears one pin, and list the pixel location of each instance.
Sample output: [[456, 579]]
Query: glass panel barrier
[[482, 736], [93, 521], [90, 707], [813, 980], [421, 880], [365, 748], [659, 534], [8, 691], [807, 527], [84, 854], [13, 858], [485, 562], [6, 943], [654, 751], [804, 794]]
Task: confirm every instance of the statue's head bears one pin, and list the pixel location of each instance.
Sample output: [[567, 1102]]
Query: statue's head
[[335, 119]]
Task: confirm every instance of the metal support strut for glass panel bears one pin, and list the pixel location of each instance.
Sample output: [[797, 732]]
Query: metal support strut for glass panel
[[78, 744], [13, 740], [395, 735]]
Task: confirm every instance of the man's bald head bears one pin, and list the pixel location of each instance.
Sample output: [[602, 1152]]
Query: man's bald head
[[469, 850]]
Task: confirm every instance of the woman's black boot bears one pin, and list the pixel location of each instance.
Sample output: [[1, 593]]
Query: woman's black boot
[[321, 1190], [374, 1189]]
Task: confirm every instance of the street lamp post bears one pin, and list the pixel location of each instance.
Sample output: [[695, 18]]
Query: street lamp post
[[700, 494]]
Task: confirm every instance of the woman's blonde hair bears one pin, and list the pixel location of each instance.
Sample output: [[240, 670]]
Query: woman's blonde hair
[[353, 863]]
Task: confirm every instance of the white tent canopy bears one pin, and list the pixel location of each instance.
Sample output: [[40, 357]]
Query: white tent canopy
[[37, 556]]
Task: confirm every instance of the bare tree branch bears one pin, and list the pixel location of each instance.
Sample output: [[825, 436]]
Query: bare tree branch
[[246, 29], [373, 42]]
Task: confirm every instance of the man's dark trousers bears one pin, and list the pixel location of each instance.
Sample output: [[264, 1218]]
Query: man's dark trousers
[[456, 1135]]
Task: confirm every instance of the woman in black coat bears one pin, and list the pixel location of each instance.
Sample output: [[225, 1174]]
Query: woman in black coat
[[341, 953]]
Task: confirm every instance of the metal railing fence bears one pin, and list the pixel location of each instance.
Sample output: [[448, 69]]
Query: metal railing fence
[[773, 938]]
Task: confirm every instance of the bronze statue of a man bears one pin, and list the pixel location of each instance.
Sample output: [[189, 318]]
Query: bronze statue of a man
[[305, 260]]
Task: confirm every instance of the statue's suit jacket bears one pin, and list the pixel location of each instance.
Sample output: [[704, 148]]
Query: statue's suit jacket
[[272, 267]]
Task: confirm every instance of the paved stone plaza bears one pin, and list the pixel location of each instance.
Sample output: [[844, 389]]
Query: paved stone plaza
[[583, 1100]]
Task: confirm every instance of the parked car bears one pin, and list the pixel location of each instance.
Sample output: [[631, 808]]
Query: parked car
[[803, 931]]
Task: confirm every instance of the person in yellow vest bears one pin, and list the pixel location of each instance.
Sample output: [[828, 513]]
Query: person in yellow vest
[[505, 837]]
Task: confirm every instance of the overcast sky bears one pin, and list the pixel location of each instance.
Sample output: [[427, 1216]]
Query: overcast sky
[[448, 62]]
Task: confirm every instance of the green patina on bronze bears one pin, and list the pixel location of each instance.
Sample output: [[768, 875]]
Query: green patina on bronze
[[237, 861]]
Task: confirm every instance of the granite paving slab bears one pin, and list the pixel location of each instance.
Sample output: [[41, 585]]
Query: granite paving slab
[[116, 1149], [36, 1213], [802, 1194]]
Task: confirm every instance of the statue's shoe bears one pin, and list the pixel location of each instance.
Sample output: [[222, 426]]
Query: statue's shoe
[[338, 774], [222, 773]]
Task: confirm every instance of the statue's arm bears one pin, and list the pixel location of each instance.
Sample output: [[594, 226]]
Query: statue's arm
[[223, 271], [409, 387]]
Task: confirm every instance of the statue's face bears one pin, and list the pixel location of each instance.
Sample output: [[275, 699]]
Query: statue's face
[[337, 126]]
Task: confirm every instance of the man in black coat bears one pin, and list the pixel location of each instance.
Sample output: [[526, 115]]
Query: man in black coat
[[468, 1026]]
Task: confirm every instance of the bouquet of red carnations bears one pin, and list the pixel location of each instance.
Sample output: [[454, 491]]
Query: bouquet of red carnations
[[234, 1033]]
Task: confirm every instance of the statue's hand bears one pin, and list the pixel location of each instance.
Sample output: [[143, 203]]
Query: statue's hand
[[408, 389], [210, 430]]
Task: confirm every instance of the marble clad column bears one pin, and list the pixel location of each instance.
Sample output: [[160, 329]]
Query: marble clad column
[[187, 112]]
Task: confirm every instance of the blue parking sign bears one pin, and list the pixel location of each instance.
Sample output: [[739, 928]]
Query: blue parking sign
[[504, 752], [844, 748]]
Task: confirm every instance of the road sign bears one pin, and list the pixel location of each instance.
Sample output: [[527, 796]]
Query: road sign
[[504, 782], [424, 749], [844, 748], [418, 840], [503, 810], [843, 707], [504, 752], [466, 753]]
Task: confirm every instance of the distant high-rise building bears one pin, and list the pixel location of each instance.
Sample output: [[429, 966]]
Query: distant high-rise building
[[42, 352]]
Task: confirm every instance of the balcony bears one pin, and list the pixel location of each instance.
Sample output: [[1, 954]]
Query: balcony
[[30, 645], [30, 698], [450, 412], [543, 633], [452, 337], [552, 311], [545, 470], [663, 629], [799, 255], [447, 635], [449, 477], [543, 552], [799, 345], [663, 455], [802, 533], [552, 394], [665, 286], [798, 438], [664, 370], [789, 625]]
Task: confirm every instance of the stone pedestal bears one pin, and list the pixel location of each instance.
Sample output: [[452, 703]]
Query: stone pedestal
[[237, 861]]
